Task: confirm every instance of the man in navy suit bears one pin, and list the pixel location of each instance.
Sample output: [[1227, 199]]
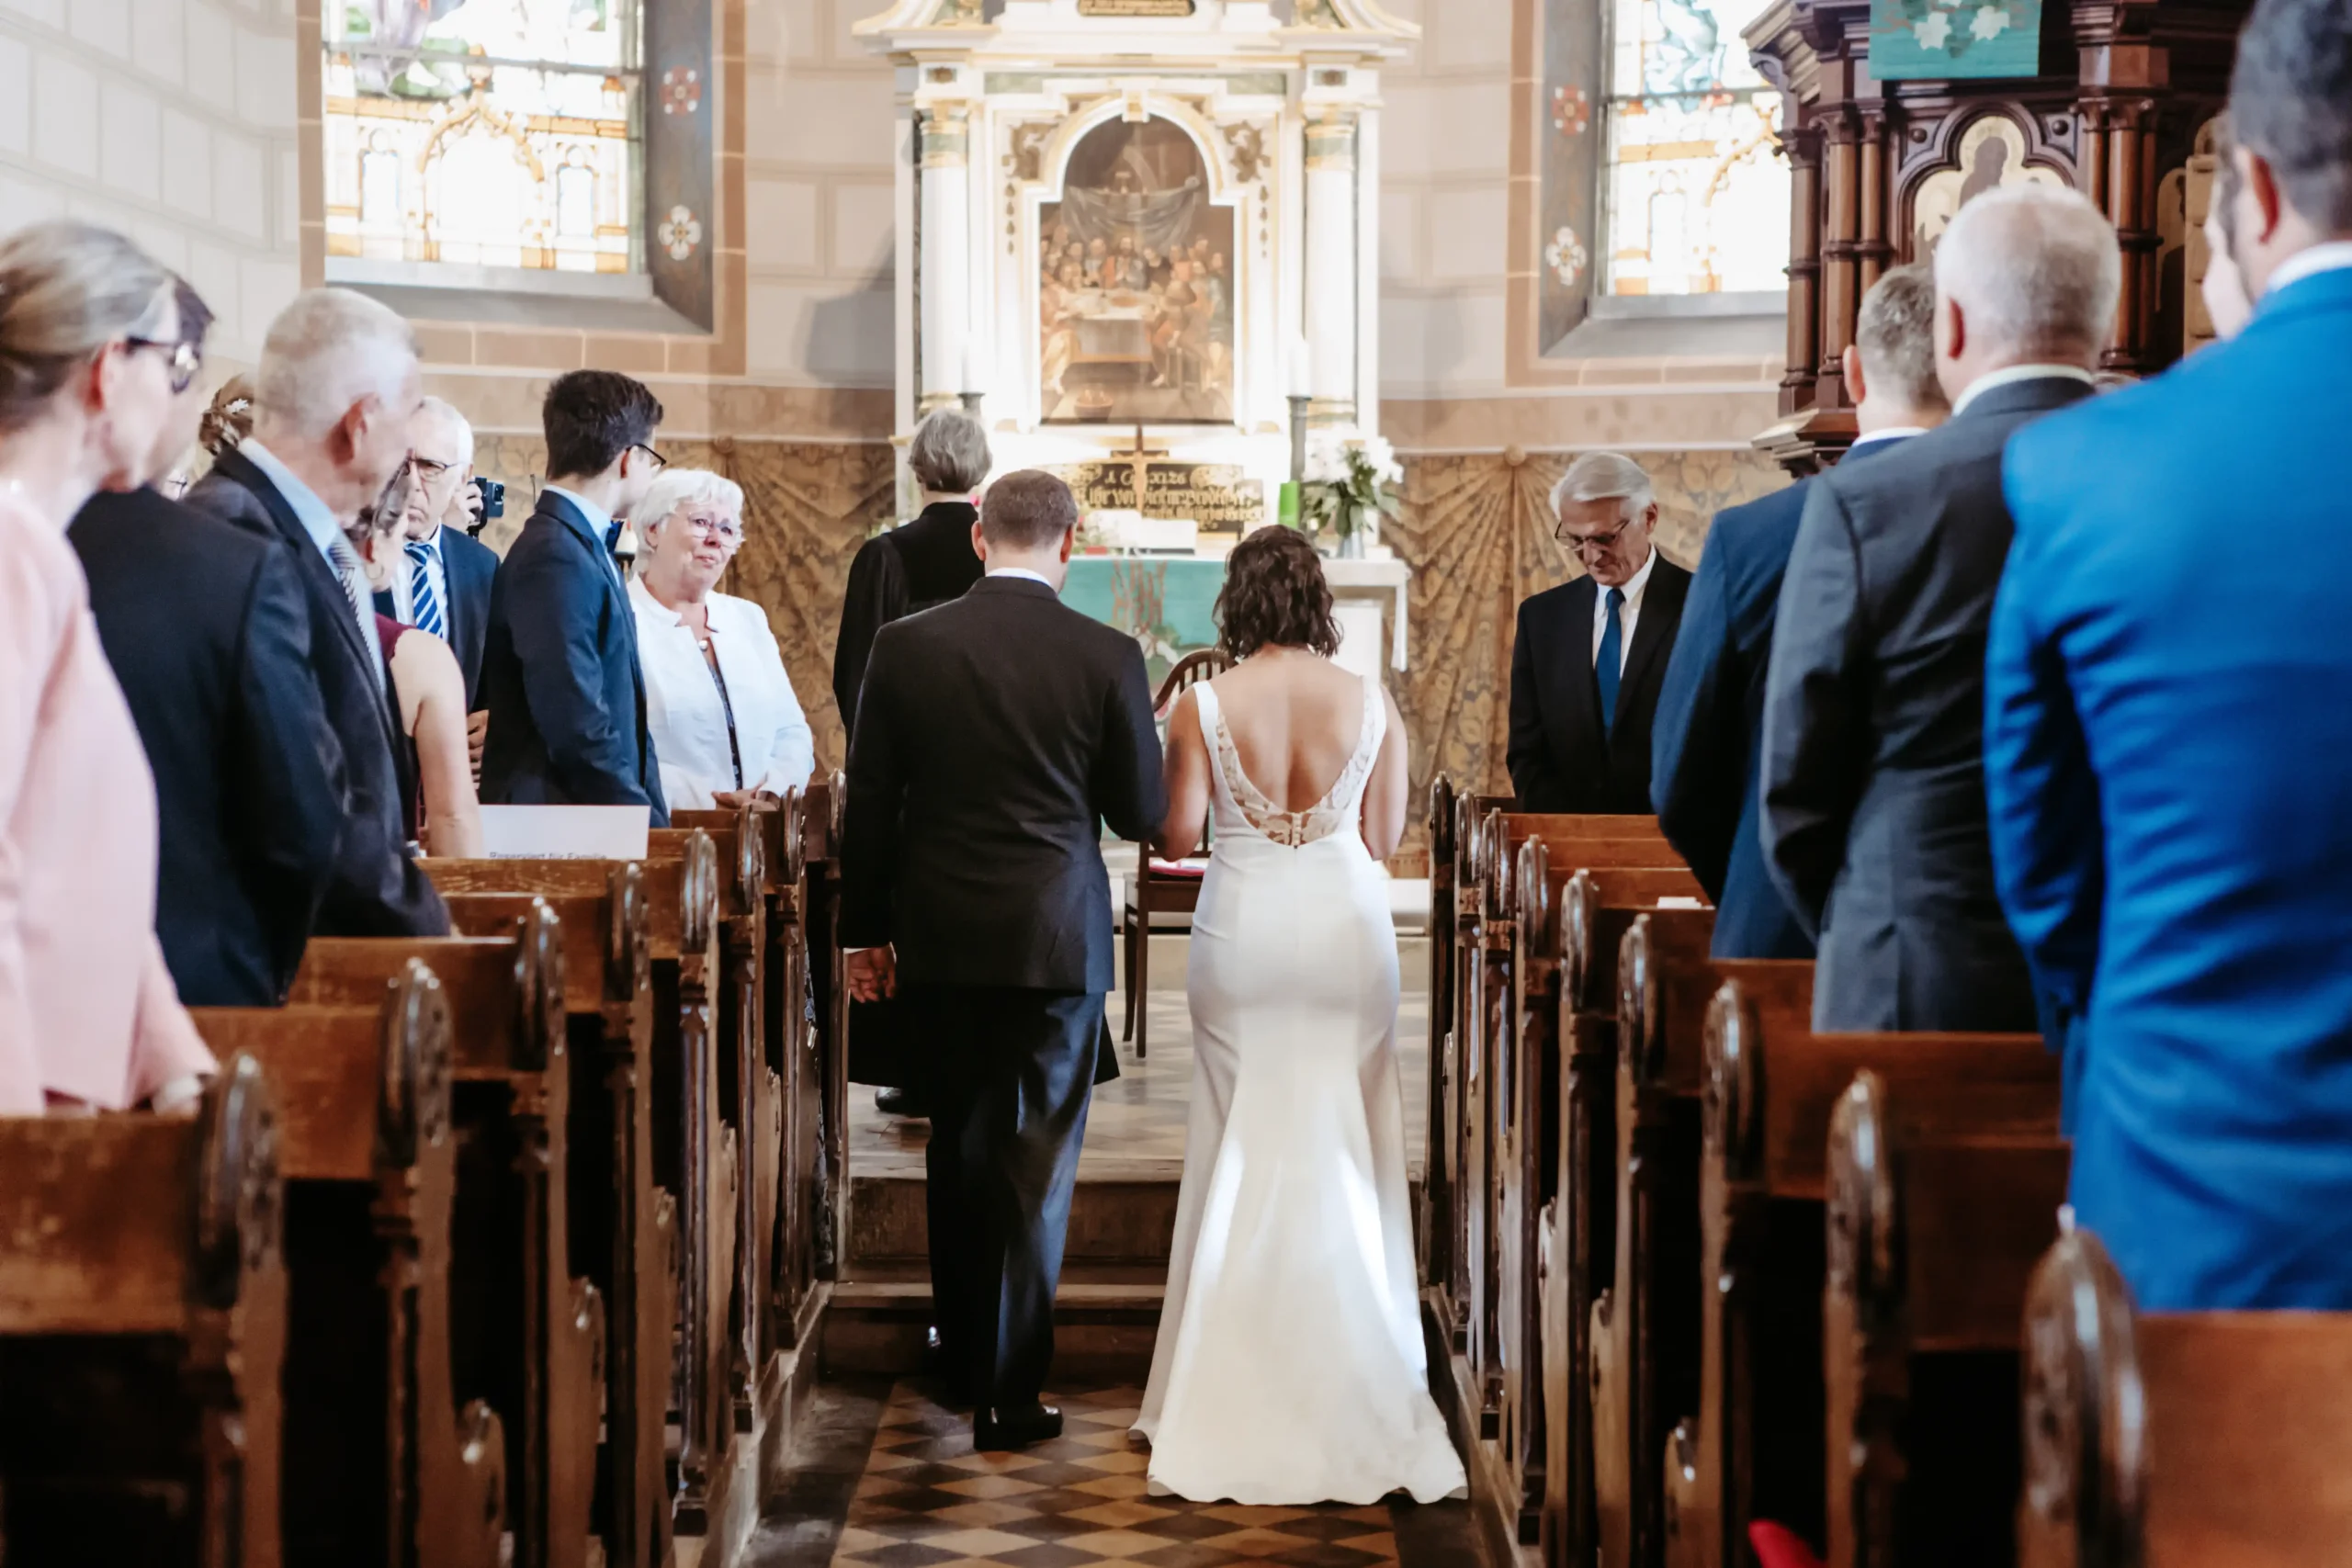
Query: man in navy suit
[[442, 584], [209, 637], [1588, 655], [559, 669], [337, 383], [2169, 746], [1710, 723], [1872, 780]]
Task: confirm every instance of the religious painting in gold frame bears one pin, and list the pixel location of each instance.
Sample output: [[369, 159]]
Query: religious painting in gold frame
[[1135, 283]]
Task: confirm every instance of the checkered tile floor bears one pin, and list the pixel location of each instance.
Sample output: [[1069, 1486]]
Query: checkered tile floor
[[927, 1501]]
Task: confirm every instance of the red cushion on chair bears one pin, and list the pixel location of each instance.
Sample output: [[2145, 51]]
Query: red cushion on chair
[[1777, 1547]]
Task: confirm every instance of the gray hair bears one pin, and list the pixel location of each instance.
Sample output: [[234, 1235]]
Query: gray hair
[[66, 291], [327, 351], [950, 453], [2291, 101], [1895, 334], [677, 487], [2036, 269], [447, 413], [1606, 476]]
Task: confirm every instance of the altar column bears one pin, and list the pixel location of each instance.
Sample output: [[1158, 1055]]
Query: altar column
[[1331, 265], [945, 243]]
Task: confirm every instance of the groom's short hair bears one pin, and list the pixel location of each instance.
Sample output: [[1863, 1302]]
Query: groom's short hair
[[1027, 511]]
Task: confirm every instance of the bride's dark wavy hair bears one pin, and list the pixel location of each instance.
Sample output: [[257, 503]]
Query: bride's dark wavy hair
[[1275, 596]]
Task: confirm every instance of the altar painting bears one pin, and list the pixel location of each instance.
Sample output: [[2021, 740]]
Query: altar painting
[[1136, 284]]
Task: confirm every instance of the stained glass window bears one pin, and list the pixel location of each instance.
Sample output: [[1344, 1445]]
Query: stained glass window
[[1695, 193], [505, 133]]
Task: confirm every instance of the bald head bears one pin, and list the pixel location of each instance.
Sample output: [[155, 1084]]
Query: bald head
[[2026, 274]]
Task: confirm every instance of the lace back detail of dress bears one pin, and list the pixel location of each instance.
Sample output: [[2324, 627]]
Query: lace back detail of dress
[[1340, 804]]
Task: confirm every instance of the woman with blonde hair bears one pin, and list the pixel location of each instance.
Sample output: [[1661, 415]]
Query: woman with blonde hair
[[91, 359], [724, 718], [446, 814]]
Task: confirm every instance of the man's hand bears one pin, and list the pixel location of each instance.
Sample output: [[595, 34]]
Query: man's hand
[[477, 735], [734, 799], [874, 975]]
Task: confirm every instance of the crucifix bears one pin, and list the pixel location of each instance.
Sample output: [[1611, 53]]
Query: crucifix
[[1139, 463]]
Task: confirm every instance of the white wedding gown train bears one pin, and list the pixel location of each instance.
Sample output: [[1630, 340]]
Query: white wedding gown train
[[1290, 1367]]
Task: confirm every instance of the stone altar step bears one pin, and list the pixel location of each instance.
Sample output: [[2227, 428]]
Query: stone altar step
[[1122, 1220], [1101, 1328]]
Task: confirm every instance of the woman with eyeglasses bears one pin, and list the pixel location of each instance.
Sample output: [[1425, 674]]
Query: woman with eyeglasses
[[447, 813], [726, 723], [91, 359]]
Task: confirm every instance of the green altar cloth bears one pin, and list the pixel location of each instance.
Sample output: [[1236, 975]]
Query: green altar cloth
[[1164, 602]]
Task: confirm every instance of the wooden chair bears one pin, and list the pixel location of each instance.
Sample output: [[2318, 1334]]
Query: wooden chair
[[1161, 905]]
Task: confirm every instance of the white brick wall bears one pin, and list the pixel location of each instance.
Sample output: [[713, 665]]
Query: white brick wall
[[818, 190], [170, 120]]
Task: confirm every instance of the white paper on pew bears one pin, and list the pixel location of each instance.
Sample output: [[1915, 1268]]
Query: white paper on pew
[[565, 832], [1681, 902]]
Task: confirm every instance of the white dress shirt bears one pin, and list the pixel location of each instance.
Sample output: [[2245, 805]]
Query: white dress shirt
[[436, 573], [326, 532], [687, 714], [2013, 374], [2328, 255], [1627, 614], [1021, 572]]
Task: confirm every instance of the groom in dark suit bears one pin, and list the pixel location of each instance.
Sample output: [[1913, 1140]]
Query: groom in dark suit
[[1587, 661], [995, 735]]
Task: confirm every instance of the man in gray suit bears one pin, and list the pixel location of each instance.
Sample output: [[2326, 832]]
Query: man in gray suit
[[1872, 776]]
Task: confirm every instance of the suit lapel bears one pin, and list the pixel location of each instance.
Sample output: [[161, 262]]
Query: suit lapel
[[306, 552], [1661, 617], [1583, 684]]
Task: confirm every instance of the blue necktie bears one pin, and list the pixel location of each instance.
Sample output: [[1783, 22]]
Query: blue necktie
[[424, 610], [1609, 665]]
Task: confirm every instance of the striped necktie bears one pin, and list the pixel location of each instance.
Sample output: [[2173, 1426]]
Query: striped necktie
[[348, 572], [424, 610]]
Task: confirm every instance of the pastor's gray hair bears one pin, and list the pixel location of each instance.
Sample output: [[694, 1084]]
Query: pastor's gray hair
[[1606, 476], [329, 350], [678, 487], [2035, 268], [950, 453], [446, 412]]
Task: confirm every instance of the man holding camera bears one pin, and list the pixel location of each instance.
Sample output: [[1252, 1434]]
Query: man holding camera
[[443, 586]]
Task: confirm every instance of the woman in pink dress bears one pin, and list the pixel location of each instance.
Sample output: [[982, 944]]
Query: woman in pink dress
[[91, 356]]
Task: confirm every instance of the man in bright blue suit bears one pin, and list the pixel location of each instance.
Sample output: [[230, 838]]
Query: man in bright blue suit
[[1710, 710], [559, 671], [2168, 742]]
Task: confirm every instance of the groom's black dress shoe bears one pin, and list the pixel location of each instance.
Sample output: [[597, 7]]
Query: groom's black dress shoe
[[995, 1431], [901, 1102]]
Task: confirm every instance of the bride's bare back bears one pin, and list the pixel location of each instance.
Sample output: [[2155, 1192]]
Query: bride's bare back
[[1296, 718]]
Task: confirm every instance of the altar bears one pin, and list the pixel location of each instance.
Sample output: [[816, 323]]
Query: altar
[[1135, 242]]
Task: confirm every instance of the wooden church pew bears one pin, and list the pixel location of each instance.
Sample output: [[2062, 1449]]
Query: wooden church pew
[[380, 1462], [142, 1331], [1936, 1222], [697, 1156], [622, 1230], [1750, 1447], [2171, 1439], [531, 1336]]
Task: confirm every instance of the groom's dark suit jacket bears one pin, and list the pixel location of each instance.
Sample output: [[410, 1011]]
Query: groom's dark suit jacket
[[995, 735]]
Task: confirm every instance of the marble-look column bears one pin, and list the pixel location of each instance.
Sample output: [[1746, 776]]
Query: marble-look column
[[1331, 265], [946, 243]]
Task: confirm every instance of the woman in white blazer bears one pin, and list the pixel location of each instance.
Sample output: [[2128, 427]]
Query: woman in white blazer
[[726, 724]]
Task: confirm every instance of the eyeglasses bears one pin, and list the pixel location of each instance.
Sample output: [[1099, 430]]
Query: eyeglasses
[[427, 468], [1586, 545], [184, 360], [660, 462], [724, 529]]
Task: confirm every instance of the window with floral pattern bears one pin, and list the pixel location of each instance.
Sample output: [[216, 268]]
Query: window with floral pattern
[[1694, 196]]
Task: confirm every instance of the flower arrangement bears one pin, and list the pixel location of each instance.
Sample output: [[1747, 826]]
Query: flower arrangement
[[1350, 483]]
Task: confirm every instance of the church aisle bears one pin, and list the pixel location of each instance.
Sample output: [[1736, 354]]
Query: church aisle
[[886, 1478]]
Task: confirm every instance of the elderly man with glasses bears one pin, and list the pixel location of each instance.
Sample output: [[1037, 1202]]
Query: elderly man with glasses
[[442, 584], [1589, 654]]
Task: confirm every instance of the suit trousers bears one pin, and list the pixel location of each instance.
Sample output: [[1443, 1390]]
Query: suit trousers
[[1009, 1074]]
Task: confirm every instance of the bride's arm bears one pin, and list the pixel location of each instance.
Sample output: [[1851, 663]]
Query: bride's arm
[[1188, 781], [1384, 795]]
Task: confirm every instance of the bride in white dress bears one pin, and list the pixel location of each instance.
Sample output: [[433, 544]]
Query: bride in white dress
[[1289, 1366]]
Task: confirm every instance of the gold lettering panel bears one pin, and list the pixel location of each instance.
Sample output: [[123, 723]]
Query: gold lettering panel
[[1213, 495], [1134, 7]]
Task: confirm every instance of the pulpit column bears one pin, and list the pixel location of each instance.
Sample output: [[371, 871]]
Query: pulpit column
[[945, 243], [1332, 266]]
